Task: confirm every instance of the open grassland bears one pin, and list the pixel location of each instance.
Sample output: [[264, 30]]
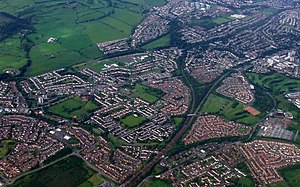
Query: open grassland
[[291, 176], [78, 26], [12, 55], [132, 121], [220, 20], [146, 93], [160, 42], [275, 82], [74, 108], [277, 85], [5, 147], [156, 183], [247, 181], [268, 11], [228, 108], [69, 172], [147, 2]]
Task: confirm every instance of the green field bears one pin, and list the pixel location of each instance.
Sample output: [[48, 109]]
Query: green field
[[74, 107], [220, 20], [156, 183], [275, 82], [148, 2], [291, 176], [268, 11], [69, 172], [95, 180], [114, 141], [98, 66], [12, 55], [228, 108], [177, 120], [131, 121], [79, 29], [146, 93], [5, 147], [160, 42], [277, 85], [247, 181]]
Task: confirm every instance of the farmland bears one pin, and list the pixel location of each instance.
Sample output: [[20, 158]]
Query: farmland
[[12, 55], [69, 172], [82, 25]]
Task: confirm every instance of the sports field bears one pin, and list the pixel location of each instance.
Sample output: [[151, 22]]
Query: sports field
[[230, 109], [74, 108], [132, 121], [99, 66]]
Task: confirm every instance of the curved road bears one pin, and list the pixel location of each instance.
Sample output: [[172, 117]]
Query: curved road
[[140, 174]]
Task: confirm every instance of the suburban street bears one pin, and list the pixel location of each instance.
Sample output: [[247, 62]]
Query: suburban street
[[188, 122]]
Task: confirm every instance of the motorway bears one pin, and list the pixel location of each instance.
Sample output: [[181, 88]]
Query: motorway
[[134, 180]]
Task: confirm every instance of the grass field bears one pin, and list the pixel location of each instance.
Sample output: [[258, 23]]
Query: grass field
[[12, 55], [277, 85], [291, 176], [220, 20], [268, 11], [247, 181], [160, 42], [79, 29], [156, 183], [275, 82], [228, 108], [95, 180], [98, 66], [114, 141], [146, 93], [5, 147], [73, 107], [131, 121], [148, 2], [69, 172], [177, 121]]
